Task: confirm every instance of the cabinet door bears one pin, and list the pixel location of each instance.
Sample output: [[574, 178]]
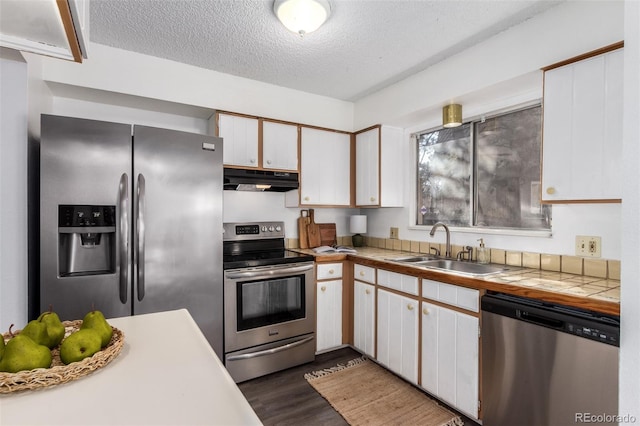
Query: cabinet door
[[397, 347], [582, 135], [279, 146], [240, 139], [325, 168], [363, 317], [450, 362], [329, 314], [368, 168]]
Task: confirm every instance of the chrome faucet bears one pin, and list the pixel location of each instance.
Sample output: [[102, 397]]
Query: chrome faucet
[[447, 251]]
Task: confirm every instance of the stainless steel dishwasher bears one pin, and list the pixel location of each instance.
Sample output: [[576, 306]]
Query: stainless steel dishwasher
[[545, 364]]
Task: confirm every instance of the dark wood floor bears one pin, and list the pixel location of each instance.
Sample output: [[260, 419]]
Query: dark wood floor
[[285, 398]]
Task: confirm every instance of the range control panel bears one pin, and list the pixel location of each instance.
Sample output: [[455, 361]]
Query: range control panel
[[235, 231]]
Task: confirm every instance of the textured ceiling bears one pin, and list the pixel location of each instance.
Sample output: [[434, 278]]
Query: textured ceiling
[[363, 47]]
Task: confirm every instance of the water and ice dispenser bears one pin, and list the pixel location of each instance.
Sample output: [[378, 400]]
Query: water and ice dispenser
[[87, 240]]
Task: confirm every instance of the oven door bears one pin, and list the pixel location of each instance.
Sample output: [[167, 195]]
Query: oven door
[[268, 304]]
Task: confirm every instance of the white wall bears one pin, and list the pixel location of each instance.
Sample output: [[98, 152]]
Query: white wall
[[630, 295], [564, 31], [498, 74], [118, 71], [13, 190], [241, 206]]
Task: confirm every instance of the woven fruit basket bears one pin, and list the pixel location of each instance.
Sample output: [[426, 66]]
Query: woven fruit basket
[[59, 372]]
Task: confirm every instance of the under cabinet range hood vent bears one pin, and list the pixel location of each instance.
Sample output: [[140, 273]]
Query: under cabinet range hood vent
[[259, 180]]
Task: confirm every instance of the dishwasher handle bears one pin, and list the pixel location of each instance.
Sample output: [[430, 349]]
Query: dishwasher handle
[[539, 319]]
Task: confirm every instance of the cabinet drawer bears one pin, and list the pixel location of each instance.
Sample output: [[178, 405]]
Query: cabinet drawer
[[396, 281], [364, 273], [462, 297], [327, 271]]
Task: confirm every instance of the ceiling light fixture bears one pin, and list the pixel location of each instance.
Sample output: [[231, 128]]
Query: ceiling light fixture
[[452, 115], [302, 16]]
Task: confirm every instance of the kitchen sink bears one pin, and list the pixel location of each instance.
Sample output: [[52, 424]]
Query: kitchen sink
[[413, 259], [451, 265], [463, 267]]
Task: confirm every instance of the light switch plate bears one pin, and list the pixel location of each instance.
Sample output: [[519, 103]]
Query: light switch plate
[[588, 246], [393, 234]]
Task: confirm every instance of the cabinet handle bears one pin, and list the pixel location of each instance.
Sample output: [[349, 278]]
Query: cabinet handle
[[551, 190], [323, 288], [362, 273], [306, 198], [410, 307], [268, 161], [425, 311], [372, 199], [252, 160], [331, 271], [367, 291]]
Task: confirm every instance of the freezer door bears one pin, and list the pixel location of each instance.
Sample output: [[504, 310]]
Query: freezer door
[[177, 180], [85, 169]]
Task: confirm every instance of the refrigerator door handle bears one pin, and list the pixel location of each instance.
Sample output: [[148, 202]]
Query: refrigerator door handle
[[140, 207], [123, 201]]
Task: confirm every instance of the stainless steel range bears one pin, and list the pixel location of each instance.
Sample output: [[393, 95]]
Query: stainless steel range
[[269, 301]]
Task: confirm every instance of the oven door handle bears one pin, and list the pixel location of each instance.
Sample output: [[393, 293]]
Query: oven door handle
[[271, 272], [270, 351]]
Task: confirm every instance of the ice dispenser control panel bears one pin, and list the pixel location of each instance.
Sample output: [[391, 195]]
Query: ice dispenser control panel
[[98, 216]]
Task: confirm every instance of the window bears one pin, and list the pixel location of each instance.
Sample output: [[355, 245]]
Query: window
[[484, 174]]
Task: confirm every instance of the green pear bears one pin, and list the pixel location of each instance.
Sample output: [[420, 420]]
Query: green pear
[[22, 353], [55, 329], [37, 331], [95, 320], [79, 345], [2, 346]]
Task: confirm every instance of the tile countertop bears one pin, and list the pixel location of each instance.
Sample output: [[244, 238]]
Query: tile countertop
[[581, 291]]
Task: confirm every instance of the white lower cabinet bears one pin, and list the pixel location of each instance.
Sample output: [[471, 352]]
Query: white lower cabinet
[[364, 317], [450, 358], [328, 314], [397, 347]]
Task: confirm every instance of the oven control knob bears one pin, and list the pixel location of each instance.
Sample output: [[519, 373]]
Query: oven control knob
[[271, 229], [278, 228], [264, 229]]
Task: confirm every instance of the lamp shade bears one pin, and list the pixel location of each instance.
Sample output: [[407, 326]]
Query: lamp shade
[[358, 224], [302, 16], [452, 115]]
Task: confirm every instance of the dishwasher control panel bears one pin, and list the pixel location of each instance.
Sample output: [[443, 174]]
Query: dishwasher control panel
[[582, 323], [594, 333]]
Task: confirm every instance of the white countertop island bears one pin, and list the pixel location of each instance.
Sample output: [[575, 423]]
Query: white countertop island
[[166, 374]]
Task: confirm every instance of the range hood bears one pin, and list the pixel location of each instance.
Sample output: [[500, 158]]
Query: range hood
[[259, 180]]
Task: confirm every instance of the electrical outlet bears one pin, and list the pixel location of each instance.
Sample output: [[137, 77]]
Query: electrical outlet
[[588, 246], [394, 233]]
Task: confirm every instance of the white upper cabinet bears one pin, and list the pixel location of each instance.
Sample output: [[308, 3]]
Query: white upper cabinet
[[379, 167], [240, 139], [325, 168], [279, 146], [368, 168], [582, 135], [57, 29]]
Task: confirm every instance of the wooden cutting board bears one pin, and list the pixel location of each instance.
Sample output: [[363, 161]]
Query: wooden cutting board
[[303, 221], [313, 231], [327, 234]]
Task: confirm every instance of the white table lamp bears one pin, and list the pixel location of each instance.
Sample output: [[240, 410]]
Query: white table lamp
[[357, 226]]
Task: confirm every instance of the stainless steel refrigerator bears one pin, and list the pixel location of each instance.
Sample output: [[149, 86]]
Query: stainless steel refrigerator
[[131, 222]]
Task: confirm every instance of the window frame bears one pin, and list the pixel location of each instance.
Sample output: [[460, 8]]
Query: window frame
[[471, 229]]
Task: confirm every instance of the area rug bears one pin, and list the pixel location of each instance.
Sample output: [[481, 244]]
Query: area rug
[[366, 394]]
